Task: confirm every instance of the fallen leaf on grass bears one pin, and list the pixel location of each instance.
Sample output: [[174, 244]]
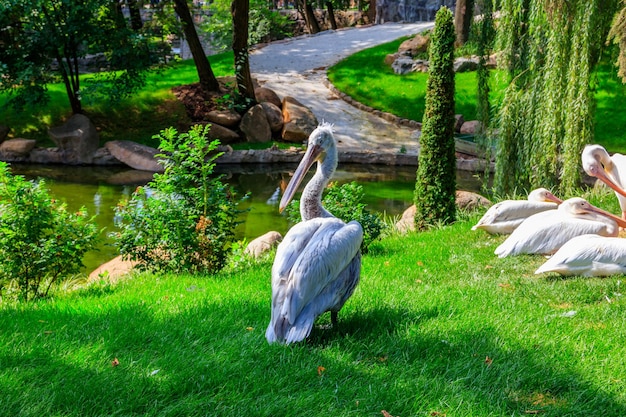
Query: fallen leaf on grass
[[533, 412], [249, 328], [488, 361], [320, 370], [385, 413], [115, 362], [438, 414]]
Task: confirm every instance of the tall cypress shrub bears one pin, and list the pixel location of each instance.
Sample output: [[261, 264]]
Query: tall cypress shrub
[[436, 173]]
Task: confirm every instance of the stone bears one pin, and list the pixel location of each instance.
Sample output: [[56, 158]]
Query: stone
[[4, 132], [102, 157], [135, 155], [274, 116], [112, 270], [226, 118], [223, 134], [420, 65], [471, 127], [458, 122], [17, 147], [465, 64], [263, 244], [390, 58], [414, 46], [267, 95], [77, 139], [467, 200], [407, 221], [46, 156], [255, 126], [403, 65], [299, 121]]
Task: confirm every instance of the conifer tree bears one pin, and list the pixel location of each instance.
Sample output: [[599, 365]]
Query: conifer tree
[[436, 173]]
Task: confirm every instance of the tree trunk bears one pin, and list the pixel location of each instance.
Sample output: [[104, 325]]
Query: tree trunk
[[331, 15], [309, 17], [463, 14], [135, 15], [240, 10], [208, 82]]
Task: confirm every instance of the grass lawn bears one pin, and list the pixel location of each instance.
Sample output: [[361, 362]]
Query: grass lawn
[[438, 326]]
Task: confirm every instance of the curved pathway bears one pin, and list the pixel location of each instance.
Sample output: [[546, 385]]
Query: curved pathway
[[297, 67]]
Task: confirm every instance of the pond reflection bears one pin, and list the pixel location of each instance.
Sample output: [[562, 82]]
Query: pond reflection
[[388, 189]]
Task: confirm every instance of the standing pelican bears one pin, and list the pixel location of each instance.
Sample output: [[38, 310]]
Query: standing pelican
[[588, 256], [546, 232], [505, 216], [611, 170], [318, 263]]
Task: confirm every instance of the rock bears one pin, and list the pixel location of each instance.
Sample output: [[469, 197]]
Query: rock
[[102, 156], [420, 65], [113, 269], [17, 147], [274, 116], [414, 46], [223, 134], [226, 118], [467, 200], [266, 95], [46, 156], [403, 65], [465, 64], [263, 244], [458, 122], [4, 132], [255, 126], [407, 221], [299, 121], [77, 139], [135, 155], [470, 127]]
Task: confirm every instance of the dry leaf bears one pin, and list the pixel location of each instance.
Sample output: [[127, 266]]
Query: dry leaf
[[504, 285], [320, 370], [249, 328], [488, 267], [438, 414], [115, 362], [420, 263], [385, 413], [534, 412], [488, 361]]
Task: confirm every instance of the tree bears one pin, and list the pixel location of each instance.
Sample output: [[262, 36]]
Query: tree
[[207, 78], [40, 32], [245, 87], [435, 186], [463, 14], [546, 116], [309, 16]]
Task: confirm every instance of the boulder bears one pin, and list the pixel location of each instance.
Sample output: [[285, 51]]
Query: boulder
[[470, 127], [407, 221], [77, 139], [274, 116], [255, 126], [223, 134], [390, 58], [135, 155], [465, 64], [113, 269], [17, 147], [266, 95], [467, 200], [4, 132], [414, 46], [299, 121], [403, 65], [458, 122], [263, 244], [46, 156], [102, 157], [226, 118]]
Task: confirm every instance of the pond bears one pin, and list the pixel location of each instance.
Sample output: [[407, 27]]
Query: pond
[[388, 190]]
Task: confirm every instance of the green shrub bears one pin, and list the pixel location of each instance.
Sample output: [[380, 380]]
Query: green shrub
[[184, 219], [344, 202], [436, 173], [41, 243]]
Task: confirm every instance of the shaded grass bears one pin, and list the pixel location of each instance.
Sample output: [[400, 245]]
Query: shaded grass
[[438, 325]]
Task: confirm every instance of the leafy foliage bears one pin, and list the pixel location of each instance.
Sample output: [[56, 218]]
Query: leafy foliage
[[345, 202], [436, 173], [41, 243], [184, 219]]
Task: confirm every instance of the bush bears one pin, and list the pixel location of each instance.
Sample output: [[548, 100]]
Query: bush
[[344, 202], [41, 243], [184, 219]]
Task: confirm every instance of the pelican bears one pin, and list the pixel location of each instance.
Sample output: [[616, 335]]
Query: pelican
[[318, 262], [588, 256], [546, 232], [611, 170], [505, 216]]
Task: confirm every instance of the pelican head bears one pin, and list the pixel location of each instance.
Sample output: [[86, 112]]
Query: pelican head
[[597, 163], [321, 148], [543, 195], [579, 207]]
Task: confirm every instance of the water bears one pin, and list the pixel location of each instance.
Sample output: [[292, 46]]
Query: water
[[388, 189]]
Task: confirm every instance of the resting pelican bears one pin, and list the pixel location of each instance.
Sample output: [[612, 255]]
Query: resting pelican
[[611, 170], [318, 262], [546, 232], [588, 256], [505, 216]]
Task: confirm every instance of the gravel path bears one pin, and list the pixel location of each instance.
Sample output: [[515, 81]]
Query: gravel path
[[297, 67]]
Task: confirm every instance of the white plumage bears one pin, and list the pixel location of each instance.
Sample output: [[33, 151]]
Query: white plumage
[[611, 170], [318, 263], [589, 256], [546, 232], [504, 216]]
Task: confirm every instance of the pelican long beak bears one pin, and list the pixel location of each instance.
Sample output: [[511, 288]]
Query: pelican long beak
[[553, 198], [601, 175], [310, 156], [620, 222]]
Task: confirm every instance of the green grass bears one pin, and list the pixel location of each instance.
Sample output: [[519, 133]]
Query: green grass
[[438, 325]]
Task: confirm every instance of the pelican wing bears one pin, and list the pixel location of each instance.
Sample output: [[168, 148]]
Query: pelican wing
[[507, 215], [588, 255]]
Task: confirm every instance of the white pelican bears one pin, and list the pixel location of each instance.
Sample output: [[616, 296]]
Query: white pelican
[[546, 232], [611, 170], [505, 216], [318, 263], [588, 256]]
